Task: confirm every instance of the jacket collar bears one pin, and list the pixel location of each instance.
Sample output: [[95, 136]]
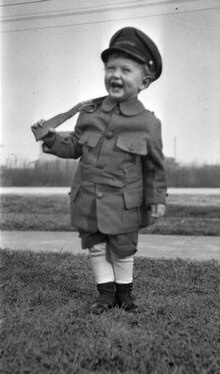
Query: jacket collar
[[128, 108]]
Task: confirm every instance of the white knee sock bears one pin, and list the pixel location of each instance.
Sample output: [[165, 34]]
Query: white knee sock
[[101, 263], [123, 268]]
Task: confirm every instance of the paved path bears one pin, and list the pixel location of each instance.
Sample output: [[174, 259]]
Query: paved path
[[156, 246]]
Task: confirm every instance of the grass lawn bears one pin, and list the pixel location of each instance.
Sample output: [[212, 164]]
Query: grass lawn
[[47, 327], [186, 214]]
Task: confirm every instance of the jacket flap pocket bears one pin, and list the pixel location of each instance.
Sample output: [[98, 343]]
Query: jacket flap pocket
[[89, 138], [133, 198], [128, 143]]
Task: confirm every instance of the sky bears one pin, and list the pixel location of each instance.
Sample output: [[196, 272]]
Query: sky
[[47, 71]]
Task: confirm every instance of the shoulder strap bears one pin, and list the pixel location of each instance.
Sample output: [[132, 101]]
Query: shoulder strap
[[88, 106]]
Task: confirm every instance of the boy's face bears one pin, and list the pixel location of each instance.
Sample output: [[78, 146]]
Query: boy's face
[[124, 78]]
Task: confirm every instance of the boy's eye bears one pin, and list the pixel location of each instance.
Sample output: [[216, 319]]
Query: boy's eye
[[126, 70], [109, 68]]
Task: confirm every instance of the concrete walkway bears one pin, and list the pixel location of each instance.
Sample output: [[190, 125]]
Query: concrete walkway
[[155, 246]]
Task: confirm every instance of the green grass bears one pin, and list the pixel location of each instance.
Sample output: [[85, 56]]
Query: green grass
[[186, 214], [47, 326]]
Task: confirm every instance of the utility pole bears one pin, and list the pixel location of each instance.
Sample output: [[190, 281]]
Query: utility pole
[[174, 148]]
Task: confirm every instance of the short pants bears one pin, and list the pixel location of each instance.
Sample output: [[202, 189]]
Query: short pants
[[121, 244]]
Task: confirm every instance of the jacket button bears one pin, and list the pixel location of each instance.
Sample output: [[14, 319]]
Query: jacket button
[[109, 135], [99, 195]]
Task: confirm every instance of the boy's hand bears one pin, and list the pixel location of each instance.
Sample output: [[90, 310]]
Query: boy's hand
[[42, 131], [39, 124], [157, 210]]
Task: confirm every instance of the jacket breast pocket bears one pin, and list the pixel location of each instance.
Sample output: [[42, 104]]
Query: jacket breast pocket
[[129, 143], [89, 140]]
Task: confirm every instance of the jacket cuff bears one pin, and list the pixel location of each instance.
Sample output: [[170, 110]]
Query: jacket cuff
[[157, 198], [48, 141]]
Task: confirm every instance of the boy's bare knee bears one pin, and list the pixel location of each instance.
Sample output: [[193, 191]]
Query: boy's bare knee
[[98, 249]]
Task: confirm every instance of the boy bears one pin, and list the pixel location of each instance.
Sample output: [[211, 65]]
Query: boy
[[121, 176]]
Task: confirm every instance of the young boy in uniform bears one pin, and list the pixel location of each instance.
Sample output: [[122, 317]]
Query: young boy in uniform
[[121, 176]]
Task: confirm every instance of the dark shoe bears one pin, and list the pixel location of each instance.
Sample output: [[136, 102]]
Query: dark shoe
[[106, 299], [124, 297]]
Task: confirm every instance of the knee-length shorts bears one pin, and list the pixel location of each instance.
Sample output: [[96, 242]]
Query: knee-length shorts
[[121, 244]]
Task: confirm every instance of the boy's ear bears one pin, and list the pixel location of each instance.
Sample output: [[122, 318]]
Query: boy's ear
[[145, 83]]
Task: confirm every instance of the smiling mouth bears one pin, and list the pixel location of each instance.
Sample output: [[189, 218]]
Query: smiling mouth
[[116, 85]]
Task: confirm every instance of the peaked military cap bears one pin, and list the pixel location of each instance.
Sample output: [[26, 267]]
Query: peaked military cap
[[138, 46]]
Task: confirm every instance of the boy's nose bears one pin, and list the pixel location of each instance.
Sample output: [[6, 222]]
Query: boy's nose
[[116, 73]]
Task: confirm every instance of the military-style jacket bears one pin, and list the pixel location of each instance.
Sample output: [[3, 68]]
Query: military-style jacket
[[121, 169]]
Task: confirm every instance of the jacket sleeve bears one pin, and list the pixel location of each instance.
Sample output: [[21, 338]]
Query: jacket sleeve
[[64, 145], [155, 186]]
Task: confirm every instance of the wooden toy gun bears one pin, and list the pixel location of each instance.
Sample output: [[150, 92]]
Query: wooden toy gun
[[88, 106]]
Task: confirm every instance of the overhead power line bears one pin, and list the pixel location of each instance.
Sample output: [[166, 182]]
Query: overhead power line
[[24, 3], [71, 12], [101, 21]]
